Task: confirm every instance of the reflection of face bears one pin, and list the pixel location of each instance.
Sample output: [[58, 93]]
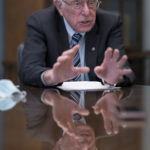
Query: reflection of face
[[80, 20], [87, 136]]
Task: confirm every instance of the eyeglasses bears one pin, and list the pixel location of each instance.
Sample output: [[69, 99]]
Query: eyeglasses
[[79, 4]]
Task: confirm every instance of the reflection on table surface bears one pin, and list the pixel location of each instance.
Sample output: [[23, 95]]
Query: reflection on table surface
[[78, 120]]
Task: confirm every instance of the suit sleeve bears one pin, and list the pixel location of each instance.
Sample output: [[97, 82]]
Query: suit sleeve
[[34, 54]]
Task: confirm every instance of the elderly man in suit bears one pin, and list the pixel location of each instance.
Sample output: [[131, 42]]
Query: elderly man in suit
[[50, 50]]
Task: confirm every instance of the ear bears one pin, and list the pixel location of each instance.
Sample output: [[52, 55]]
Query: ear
[[58, 5]]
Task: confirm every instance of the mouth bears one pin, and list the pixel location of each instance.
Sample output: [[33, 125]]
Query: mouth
[[86, 22]]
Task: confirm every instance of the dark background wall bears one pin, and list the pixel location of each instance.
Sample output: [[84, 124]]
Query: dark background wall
[[2, 36]]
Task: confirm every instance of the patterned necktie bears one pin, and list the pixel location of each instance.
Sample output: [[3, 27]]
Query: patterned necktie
[[79, 97], [75, 40]]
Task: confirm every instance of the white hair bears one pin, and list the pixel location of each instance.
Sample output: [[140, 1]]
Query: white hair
[[63, 4]]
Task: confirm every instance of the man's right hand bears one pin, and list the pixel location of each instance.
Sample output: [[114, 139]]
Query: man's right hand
[[64, 69]]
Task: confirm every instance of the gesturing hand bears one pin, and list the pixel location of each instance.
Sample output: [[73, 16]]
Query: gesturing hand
[[64, 69], [63, 110], [111, 70], [107, 106]]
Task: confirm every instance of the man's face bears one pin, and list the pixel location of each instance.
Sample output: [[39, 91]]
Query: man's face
[[81, 20]]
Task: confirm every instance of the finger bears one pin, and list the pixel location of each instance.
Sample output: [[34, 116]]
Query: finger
[[80, 70], [70, 127], [108, 126], [122, 61], [81, 111], [97, 110], [63, 59], [68, 52], [72, 52], [99, 70], [56, 65], [108, 54], [125, 71], [61, 124], [115, 55], [123, 124], [107, 123], [115, 127]]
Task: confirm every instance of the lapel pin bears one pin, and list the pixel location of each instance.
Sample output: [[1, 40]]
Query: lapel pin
[[93, 49]]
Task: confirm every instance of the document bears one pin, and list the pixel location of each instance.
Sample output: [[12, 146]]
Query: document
[[86, 86]]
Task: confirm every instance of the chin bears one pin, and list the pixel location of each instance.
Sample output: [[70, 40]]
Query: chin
[[84, 29]]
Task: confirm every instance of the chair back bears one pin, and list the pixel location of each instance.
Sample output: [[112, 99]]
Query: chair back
[[20, 52]]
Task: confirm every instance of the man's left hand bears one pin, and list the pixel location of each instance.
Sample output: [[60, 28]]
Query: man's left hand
[[111, 70]]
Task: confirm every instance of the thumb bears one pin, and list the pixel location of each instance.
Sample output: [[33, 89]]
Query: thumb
[[98, 69], [96, 110], [81, 111]]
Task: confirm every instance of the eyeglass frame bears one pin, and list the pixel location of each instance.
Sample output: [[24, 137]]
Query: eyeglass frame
[[82, 4]]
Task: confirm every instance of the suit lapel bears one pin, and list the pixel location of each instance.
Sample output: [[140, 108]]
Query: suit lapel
[[91, 49], [63, 36]]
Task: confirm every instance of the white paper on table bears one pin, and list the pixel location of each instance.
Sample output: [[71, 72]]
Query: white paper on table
[[85, 85]]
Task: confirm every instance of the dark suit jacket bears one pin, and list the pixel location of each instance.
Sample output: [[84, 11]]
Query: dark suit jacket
[[47, 38]]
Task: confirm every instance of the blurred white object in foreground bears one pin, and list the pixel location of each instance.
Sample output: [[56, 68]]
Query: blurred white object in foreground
[[10, 95]]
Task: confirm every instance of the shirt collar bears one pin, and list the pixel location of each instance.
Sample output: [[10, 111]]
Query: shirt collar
[[70, 30]]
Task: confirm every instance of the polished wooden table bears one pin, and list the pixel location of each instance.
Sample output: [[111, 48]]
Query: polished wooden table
[[52, 119]]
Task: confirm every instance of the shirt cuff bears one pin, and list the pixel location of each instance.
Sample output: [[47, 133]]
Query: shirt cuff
[[42, 79], [45, 84], [105, 83], [43, 94]]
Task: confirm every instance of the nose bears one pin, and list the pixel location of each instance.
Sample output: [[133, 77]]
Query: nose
[[85, 10]]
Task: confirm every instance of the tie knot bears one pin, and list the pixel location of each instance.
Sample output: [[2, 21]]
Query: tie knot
[[76, 38]]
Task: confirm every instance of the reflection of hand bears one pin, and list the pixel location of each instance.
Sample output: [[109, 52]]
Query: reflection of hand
[[64, 69], [63, 110], [107, 106], [85, 140], [111, 69]]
